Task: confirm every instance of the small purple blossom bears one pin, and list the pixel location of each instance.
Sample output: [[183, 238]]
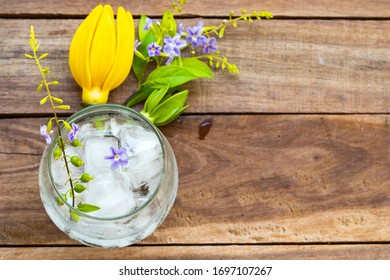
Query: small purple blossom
[[172, 46], [117, 157], [180, 29], [73, 132], [195, 37], [46, 135], [209, 45], [149, 23], [154, 49]]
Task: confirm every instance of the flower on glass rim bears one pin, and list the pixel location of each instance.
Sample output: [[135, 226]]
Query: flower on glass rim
[[45, 134], [172, 46], [154, 49], [209, 45], [73, 132], [195, 37], [101, 52], [117, 157]]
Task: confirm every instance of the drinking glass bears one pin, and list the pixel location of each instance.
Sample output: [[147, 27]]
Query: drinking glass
[[133, 199]]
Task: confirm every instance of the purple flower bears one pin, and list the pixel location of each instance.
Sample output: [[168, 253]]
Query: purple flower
[[172, 46], [195, 37], [154, 49], [149, 23], [73, 132], [209, 45], [46, 135], [180, 29], [117, 157]]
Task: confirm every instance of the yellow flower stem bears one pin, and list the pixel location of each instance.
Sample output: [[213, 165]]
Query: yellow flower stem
[[62, 146], [94, 96]]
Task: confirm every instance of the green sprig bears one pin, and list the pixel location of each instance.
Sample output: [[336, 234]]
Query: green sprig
[[178, 6], [219, 30], [159, 88], [60, 152], [44, 83]]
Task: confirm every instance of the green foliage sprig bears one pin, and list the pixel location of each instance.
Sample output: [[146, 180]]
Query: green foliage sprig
[[178, 6], [160, 44], [46, 131]]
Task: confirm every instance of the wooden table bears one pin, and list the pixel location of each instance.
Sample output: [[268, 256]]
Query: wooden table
[[295, 166]]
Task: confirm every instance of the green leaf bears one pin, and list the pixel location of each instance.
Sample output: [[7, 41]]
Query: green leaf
[[155, 98], [169, 109], [146, 105], [141, 25], [139, 96], [139, 64], [146, 37], [87, 208], [53, 83], [168, 75], [196, 67], [172, 117], [29, 56], [168, 24]]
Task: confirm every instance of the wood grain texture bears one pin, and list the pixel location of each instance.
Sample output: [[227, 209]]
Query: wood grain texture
[[255, 179], [280, 8], [242, 252], [286, 66], [284, 185]]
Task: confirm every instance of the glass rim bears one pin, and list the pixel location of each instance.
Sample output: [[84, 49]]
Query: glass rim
[[104, 109]]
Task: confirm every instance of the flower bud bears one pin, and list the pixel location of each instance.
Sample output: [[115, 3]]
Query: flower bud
[[60, 202], [79, 188], [76, 161], [76, 143], [57, 153], [85, 178]]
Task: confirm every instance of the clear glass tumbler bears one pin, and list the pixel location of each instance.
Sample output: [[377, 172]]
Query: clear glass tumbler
[[133, 199]]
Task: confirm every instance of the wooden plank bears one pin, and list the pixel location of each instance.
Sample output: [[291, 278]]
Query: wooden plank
[[286, 66], [243, 252], [280, 8], [255, 179]]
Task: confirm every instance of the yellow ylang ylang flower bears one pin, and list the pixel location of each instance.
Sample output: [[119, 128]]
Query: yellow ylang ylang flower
[[101, 52]]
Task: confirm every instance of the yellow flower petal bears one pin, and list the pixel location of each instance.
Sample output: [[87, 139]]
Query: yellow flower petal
[[124, 50], [80, 48], [103, 47]]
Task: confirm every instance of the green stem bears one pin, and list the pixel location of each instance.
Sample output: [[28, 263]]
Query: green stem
[[62, 144]]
